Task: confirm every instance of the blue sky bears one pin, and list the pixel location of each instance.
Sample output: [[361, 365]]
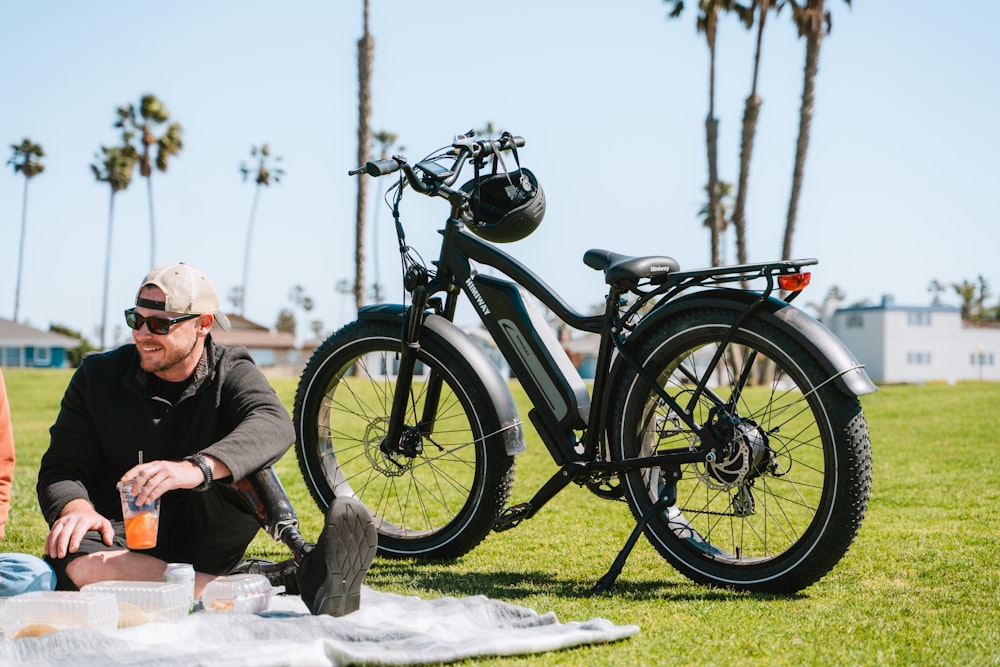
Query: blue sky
[[900, 184]]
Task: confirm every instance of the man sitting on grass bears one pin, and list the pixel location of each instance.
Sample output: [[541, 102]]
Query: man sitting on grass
[[175, 414]]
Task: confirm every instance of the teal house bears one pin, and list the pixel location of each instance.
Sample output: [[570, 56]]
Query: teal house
[[22, 346]]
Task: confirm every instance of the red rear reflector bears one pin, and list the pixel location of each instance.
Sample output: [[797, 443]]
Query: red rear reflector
[[794, 282]]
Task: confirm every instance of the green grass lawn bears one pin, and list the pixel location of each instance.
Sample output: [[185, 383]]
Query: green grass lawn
[[919, 586]]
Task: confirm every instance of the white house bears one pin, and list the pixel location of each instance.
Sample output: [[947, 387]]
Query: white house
[[916, 344]]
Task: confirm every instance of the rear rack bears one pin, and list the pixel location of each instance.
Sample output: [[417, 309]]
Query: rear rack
[[736, 272]]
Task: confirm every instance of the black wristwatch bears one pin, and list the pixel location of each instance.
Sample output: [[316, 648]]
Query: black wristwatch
[[206, 469]]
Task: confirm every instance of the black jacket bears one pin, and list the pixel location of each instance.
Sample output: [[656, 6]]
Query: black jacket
[[110, 412]]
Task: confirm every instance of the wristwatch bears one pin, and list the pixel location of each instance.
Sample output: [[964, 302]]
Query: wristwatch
[[206, 469]]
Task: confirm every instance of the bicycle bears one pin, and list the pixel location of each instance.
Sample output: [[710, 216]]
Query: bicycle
[[727, 419]]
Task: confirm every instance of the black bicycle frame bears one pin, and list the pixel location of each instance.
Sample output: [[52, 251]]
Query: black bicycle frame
[[562, 404]]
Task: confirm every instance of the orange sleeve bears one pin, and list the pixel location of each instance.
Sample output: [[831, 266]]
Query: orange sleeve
[[6, 457]]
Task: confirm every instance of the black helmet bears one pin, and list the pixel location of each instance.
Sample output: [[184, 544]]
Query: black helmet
[[506, 206]]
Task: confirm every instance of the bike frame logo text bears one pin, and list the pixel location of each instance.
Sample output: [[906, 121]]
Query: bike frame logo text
[[477, 298]]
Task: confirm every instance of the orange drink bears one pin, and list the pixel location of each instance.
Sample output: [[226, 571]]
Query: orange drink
[[141, 529], [142, 522]]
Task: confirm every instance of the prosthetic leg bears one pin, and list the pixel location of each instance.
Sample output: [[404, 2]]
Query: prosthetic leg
[[328, 575], [266, 496]]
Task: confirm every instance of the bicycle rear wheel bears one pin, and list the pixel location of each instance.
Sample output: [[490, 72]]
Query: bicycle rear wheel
[[437, 493], [784, 497]]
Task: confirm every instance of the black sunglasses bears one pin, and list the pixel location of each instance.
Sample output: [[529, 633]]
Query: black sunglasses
[[156, 325]]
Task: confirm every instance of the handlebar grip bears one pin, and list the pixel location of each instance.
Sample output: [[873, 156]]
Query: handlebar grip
[[376, 168]]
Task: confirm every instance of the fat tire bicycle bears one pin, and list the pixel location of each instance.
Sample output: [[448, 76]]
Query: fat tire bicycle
[[727, 419]]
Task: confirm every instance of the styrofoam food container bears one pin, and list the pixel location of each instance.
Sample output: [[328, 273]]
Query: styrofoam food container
[[39, 612], [238, 592], [145, 601]]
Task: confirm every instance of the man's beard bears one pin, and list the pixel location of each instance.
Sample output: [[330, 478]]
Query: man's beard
[[168, 362]]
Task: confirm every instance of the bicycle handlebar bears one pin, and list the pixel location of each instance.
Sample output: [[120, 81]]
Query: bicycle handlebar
[[436, 177], [376, 168]]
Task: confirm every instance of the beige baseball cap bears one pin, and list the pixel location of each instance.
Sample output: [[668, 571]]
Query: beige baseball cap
[[188, 290]]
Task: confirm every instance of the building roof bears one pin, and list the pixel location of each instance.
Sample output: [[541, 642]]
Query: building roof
[[13, 334], [252, 335], [889, 303]]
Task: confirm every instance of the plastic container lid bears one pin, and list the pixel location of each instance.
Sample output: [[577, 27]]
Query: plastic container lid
[[145, 601], [41, 612], [239, 592]]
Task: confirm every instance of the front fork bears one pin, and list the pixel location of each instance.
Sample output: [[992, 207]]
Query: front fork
[[400, 438]]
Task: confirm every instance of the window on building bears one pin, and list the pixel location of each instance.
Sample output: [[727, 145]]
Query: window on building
[[855, 321], [981, 359], [42, 356], [918, 358], [918, 318], [11, 356]]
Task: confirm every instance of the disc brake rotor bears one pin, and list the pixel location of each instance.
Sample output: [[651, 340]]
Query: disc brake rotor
[[386, 463], [749, 457]]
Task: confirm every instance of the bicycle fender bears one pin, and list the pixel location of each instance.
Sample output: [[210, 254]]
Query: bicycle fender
[[833, 355], [494, 383]]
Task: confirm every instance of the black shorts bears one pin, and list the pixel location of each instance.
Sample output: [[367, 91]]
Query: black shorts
[[210, 529]]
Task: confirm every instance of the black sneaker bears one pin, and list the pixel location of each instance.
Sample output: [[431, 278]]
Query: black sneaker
[[347, 546], [284, 573]]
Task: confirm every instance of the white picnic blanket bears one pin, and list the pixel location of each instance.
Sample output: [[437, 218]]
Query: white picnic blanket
[[388, 629]]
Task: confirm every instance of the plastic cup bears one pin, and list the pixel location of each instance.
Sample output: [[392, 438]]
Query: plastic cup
[[141, 521]]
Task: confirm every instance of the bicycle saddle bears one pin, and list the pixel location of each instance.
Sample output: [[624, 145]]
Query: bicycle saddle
[[626, 267]]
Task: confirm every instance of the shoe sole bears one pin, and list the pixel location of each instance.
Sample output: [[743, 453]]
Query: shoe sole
[[350, 541]]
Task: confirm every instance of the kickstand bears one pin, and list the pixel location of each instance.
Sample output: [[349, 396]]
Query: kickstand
[[667, 498]]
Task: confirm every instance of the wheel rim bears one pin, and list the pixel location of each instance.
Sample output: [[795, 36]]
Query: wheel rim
[[760, 499]]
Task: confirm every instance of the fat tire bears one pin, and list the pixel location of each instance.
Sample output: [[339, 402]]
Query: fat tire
[[436, 504], [813, 510]]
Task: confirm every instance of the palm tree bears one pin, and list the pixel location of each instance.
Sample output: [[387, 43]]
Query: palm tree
[[812, 21], [26, 159], [141, 123], [720, 222], [707, 23], [937, 288], [967, 292], [366, 56], [286, 318], [114, 166], [751, 111], [386, 141], [262, 177]]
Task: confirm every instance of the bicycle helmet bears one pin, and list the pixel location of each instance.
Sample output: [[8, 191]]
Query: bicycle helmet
[[505, 207]]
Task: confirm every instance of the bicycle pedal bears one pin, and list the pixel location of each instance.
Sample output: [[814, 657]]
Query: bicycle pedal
[[511, 516]]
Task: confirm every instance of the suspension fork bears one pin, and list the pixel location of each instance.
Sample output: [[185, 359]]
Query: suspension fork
[[443, 281], [432, 389], [412, 323], [407, 363]]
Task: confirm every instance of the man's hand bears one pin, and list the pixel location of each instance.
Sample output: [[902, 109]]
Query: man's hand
[[77, 517], [151, 480]]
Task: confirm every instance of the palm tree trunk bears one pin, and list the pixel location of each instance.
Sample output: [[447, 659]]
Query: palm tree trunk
[[152, 225], [814, 39], [107, 271], [750, 114], [712, 145], [712, 142], [366, 48], [246, 253], [20, 250], [376, 283]]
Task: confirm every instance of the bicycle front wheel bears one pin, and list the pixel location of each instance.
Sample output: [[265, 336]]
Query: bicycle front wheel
[[437, 492], [780, 501]]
